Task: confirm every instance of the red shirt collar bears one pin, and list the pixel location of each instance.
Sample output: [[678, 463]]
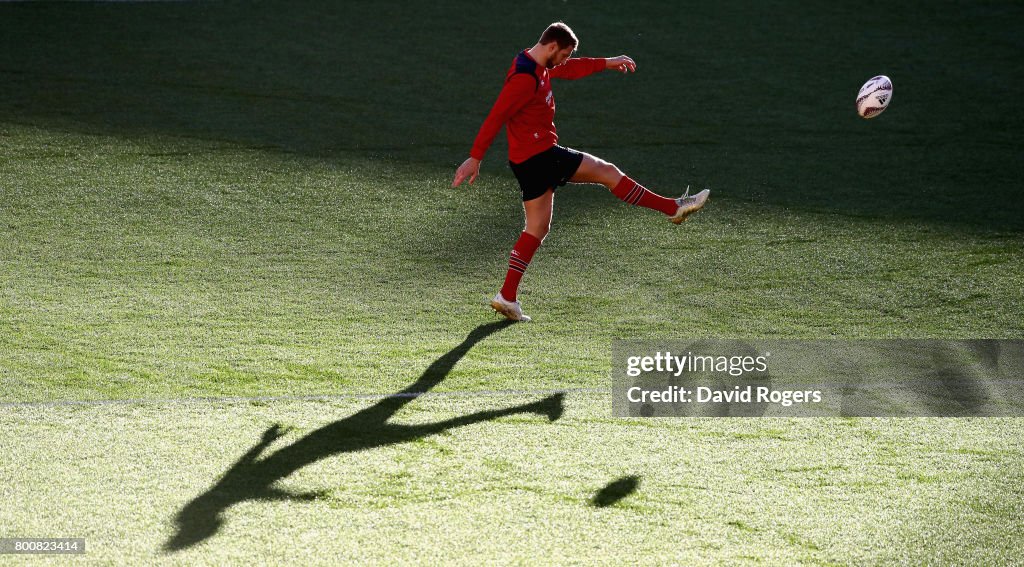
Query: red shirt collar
[[539, 66]]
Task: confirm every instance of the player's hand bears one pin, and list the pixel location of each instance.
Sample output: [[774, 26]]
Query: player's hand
[[622, 63], [469, 168]]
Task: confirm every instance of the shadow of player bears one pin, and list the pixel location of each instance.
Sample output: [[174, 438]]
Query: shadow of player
[[254, 478]]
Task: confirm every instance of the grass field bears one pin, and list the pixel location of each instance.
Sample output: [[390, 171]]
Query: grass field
[[226, 230]]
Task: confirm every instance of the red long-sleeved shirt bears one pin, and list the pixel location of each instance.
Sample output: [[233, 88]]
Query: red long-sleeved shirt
[[527, 105]]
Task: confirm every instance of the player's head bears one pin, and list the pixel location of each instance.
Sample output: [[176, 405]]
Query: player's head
[[560, 41]]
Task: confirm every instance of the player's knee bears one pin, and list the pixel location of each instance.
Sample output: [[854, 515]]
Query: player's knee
[[539, 231], [610, 174]]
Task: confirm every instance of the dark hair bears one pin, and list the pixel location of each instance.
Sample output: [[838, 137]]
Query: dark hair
[[561, 34]]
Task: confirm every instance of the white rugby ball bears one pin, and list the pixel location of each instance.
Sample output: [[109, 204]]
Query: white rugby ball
[[874, 96]]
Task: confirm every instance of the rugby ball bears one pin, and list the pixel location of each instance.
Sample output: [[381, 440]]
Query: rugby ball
[[874, 96]]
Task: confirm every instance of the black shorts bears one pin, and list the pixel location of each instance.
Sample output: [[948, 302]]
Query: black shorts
[[549, 169]]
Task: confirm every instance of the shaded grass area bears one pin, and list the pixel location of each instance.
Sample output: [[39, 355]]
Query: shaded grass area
[[754, 100], [830, 491]]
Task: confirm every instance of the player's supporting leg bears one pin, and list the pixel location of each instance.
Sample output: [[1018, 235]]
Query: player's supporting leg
[[596, 170], [538, 223], [518, 261]]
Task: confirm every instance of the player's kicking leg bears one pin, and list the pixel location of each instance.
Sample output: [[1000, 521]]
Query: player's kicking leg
[[596, 170], [538, 223]]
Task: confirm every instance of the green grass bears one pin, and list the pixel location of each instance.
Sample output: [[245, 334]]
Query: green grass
[[236, 200], [815, 491]]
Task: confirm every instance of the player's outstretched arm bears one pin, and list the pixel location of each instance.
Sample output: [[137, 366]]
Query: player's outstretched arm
[[622, 63], [469, 168], [579, 67]]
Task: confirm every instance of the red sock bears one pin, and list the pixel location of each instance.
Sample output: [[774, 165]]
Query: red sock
[[518, 261], [635, 194]]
